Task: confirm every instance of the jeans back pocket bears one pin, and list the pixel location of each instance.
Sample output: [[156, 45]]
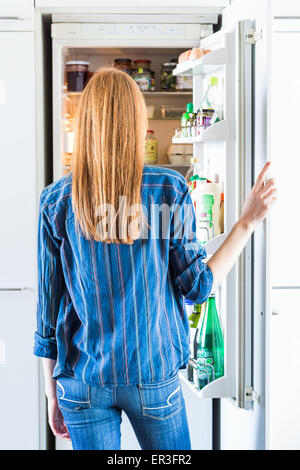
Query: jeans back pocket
[[162, 400], [72, 395]]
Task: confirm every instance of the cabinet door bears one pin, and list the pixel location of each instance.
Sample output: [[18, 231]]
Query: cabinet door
[[16, 15], [17, 162], [284, 379], [19, 399]]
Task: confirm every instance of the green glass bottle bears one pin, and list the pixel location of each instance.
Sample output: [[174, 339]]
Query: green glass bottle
[[210, 353], [194, 325]]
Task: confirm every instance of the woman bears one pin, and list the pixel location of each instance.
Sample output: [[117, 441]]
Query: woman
[[117, 256]]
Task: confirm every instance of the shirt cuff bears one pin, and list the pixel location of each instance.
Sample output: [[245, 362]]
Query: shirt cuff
[[202, 285], [44, 347]]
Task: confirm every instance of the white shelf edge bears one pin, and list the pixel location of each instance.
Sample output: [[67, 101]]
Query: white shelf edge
[[167, 93], [214, 59], [216, 133], [220, 388], [214, 244]]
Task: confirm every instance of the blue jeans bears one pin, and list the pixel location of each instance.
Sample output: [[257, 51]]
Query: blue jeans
[[93, 414]]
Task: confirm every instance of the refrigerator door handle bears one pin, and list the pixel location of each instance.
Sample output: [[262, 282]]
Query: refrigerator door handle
[[244, 347]]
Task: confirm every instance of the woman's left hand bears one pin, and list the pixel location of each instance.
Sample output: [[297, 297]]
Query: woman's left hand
[[56, 420]]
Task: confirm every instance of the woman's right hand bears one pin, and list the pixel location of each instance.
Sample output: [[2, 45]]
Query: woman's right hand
[[259, 201], [56, 419]]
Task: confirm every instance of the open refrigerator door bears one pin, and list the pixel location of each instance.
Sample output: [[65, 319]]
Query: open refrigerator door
[[222, 161]]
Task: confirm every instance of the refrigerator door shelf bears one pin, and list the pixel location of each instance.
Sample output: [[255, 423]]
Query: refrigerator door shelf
[[210, 63], [220, 388], [219, 132], [214, 244]]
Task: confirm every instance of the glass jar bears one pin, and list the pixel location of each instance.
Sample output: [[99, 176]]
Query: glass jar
[[167, 79], [77, 74], [142, 76], [150, 147], [124, 65], [184, 83], [142, 64]]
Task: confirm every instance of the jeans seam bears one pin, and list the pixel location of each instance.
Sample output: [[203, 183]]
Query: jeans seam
[[166, 417], [160, 384]]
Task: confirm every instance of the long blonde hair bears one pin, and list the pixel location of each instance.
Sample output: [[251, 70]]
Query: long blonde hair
[[109, 156]]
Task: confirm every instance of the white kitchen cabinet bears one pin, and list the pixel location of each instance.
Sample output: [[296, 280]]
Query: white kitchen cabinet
[[284, 378], [19, 398], [16, 15], [18, 161]]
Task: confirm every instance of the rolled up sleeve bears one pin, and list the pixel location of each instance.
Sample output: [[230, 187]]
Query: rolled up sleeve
[[50, 288], [191, 274]]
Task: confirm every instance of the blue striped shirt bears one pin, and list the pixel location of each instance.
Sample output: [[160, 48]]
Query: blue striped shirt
[[114, 313]]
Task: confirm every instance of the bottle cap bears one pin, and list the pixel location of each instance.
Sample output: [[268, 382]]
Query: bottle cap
[[213, 81], [197, 308], [189, 108], [188, 302]]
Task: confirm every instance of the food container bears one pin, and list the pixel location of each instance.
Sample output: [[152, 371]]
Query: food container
[[142, 77], [150, 148], [172, 111], [184, 83], [206, 117], [180, 154], [124, 65], [167, 79], [142, 64], [77, 74], [150, 111]]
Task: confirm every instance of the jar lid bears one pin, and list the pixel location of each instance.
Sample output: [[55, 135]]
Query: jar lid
[[142, 60], [77, 62], [169, 64], [123, 60]]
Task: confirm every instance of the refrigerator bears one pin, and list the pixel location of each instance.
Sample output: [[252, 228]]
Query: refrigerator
[[247, 407], [234, 149]]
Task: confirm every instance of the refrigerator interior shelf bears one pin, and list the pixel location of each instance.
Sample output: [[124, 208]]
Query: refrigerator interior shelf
[[220, 388], [173, 165], [209, 63], [215, 133], [164, 119], [214, 244], [167, 93]]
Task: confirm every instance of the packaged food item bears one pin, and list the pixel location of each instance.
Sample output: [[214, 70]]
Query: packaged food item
[[150, 111], [77, 74], [171, 111], [141, 74], [179, 154], [192, 54], [167, 79], [184, 83], [196, 53], [184, 56], [194, 315], [206, 198], [124, 65], [142, 64], [150, 148], [152, 80], [185, 131], [213, 98]]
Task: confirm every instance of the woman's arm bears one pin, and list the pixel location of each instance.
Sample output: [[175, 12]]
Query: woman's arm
[[55, 417], [256, 207], [50, 383]]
